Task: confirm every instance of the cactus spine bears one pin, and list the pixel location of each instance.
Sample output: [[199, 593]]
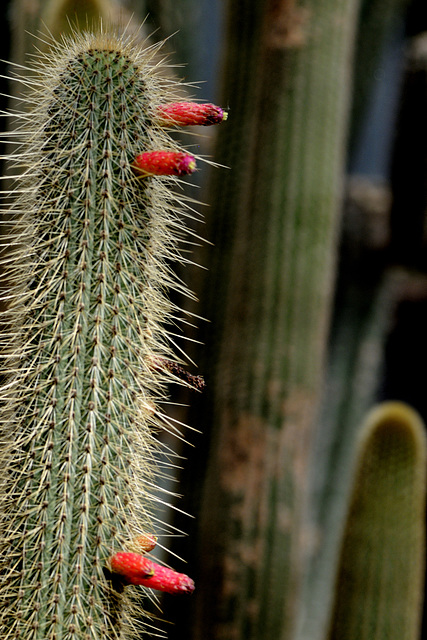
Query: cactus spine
[[87, 269]]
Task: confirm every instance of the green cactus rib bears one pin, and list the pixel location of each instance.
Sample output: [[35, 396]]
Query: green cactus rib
[[87, 270]]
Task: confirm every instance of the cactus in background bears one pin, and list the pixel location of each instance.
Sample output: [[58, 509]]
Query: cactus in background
[[92, 229], [377, 24], [57, 14], [56, 17], [268, 296], [381, 571], [354, 377]]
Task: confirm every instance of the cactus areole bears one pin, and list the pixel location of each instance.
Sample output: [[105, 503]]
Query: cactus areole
[[92, 224]]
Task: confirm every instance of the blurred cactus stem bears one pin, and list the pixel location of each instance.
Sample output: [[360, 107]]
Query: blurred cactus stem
[[287, 76], [58, 14], [381, 571], [31, 18], [379, 21]]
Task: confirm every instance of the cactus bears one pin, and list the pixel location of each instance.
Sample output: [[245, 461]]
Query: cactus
[[381, 571], [91, 233], [57, 17], [354, 374], [268, 295], [377, 24]]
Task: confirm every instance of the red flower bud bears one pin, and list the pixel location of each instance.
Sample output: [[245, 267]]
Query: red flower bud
[[131, 566], [190, 113], [138, 570], [164, 163], [168, 580]]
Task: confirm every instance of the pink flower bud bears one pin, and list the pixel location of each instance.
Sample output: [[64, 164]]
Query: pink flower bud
[[190, 113], [134, 568], [164, 163], [168, 580]]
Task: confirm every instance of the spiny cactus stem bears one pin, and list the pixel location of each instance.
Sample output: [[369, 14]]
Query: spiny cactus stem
[[90, 299]]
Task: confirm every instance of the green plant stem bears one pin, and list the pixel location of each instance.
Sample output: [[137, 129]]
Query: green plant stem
[[378, 22], [57, 17], [381, 570], [87, 270], [275, 225], [354, 373]]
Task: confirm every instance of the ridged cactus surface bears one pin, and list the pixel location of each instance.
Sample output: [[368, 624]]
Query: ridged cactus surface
[[90, 238]]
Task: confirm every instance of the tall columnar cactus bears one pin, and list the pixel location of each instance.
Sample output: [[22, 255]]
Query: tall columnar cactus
[[92, 229], [269, 296]]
